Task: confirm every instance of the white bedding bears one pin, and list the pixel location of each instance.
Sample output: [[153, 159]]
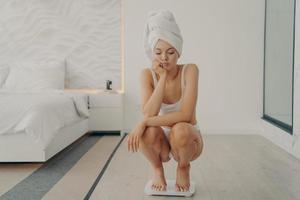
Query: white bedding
[[40, 113]]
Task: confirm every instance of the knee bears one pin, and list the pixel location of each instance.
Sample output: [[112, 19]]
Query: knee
[[151, 135], [180, 134]]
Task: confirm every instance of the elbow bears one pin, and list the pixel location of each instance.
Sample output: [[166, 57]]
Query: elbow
[[146, 113], [187, 117]]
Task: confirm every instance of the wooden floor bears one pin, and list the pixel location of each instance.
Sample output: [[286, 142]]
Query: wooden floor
[[233, 167]]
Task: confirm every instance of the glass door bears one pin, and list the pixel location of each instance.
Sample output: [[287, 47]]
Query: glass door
[[279, 63]]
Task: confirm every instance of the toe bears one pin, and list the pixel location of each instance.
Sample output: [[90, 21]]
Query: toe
[[180, 189], [152, 187], [161, 188], [186, 188], [158, 188]]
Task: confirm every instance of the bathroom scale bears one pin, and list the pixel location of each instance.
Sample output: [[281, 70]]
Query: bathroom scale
[[170, 190]]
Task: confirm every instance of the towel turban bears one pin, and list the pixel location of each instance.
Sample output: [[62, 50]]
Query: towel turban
[[161, 25]]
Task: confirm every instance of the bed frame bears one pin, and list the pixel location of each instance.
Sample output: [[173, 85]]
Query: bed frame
[[20, 147]]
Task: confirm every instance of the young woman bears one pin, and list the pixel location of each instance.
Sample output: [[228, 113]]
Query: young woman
[[169, 97]]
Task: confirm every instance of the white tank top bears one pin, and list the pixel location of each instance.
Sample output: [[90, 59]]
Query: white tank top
[[166, 108]]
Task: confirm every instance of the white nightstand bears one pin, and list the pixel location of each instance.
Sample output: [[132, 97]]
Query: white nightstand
[[106, 110]]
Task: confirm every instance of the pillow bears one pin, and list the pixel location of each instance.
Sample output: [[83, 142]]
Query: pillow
[[3, 75], [35, 76]]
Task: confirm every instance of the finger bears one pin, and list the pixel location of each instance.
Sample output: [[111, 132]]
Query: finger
[[138, 143], [128, 144], [155, 67], [133, 144], [129, 147]]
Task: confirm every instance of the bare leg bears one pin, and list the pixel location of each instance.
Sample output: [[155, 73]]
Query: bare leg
[[186, 144], [155, 147]]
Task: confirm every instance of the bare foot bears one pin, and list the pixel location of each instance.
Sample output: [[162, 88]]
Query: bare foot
[[183, 179], [159, 182]]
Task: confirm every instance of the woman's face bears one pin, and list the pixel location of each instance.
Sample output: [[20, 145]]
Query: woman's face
[[166, 54]]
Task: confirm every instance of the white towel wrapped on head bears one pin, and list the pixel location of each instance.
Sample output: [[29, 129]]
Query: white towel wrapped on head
[[161, 25]]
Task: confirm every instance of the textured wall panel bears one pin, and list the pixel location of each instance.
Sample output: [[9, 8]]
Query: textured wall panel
[[84, 34]]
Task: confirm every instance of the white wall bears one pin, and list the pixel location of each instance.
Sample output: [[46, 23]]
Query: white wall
[[225, 39], [85, 34], [290, 143]]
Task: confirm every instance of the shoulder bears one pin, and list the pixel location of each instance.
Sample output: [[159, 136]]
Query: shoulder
[[146, 75], [146, 72], [191, 69]]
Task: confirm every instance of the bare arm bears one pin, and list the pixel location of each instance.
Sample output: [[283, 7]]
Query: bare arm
[[151, 98], [188, 102], [151, 102]]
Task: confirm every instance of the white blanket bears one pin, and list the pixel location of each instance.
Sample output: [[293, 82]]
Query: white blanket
[[40, 113]]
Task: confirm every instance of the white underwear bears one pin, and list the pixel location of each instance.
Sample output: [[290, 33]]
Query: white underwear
[[168, 129]]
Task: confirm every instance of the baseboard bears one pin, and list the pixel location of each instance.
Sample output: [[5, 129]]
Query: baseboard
[[102, 133]]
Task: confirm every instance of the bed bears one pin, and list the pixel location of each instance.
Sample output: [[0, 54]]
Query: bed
[[38, 118]]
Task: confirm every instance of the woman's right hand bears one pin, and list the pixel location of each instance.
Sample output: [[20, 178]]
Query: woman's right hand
[[157, 67], [134, 137]]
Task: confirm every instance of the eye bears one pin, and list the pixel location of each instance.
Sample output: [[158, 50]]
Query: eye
[[157, 53], [171, 52]]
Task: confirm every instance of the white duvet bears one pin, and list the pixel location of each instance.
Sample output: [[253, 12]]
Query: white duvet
[[40, 113]]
